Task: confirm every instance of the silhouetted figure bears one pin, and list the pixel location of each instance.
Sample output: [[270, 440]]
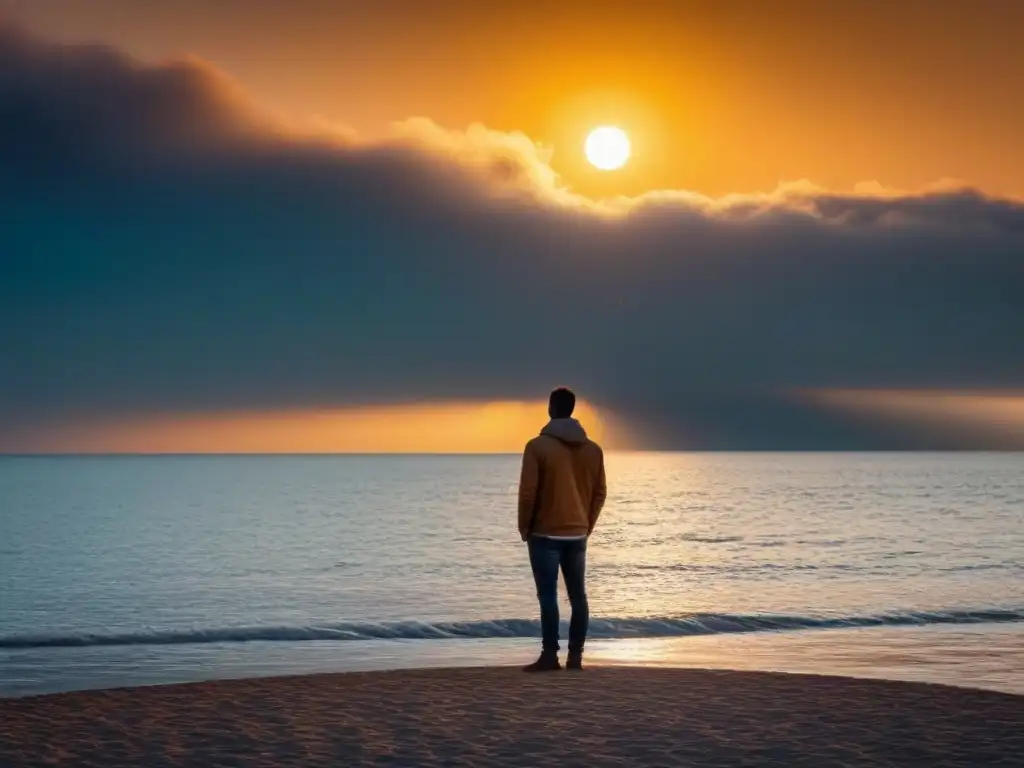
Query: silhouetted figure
[[561, 492]]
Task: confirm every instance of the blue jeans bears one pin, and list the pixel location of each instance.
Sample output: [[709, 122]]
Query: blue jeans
[[546, 557]]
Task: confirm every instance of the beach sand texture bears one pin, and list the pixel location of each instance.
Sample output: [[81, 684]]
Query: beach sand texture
[[497, 716]]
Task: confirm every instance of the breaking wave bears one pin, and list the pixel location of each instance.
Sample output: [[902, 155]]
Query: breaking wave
[[677, 626]]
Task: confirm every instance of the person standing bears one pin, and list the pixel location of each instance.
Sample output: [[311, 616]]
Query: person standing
[[562, 489]]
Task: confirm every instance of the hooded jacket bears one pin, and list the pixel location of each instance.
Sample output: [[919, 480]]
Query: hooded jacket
[[562, 487]]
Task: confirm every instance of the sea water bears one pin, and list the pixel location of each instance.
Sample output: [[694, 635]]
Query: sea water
[[138, 570]]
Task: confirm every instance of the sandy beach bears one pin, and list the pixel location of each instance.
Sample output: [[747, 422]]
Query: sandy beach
[[498, 716]]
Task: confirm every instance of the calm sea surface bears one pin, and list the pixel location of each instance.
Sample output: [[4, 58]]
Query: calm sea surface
[[135, 570]]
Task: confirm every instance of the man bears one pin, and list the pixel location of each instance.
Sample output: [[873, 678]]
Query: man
[[561, 492]]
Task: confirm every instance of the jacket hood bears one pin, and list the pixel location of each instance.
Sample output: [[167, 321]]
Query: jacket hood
[[566, 430]]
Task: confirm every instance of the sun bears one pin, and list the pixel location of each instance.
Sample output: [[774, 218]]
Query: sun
[[607, 148]]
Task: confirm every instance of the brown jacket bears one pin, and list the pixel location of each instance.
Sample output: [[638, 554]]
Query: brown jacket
[[562, 487]]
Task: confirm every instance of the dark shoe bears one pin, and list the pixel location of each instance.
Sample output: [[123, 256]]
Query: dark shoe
[[548, 662], [574, 662]]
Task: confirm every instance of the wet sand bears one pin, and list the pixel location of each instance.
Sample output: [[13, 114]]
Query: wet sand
[[497, 716]]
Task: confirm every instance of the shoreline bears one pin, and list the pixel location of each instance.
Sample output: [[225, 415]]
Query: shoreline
[[591, 669], [500, 716], [978, 657]]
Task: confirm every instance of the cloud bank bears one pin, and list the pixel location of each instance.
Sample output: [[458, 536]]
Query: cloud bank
[[166, 246]]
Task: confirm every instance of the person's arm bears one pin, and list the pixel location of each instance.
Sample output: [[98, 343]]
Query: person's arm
[[529, 480], [599, 495]]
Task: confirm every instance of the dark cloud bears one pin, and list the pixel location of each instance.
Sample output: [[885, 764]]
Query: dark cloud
[[164, 247]]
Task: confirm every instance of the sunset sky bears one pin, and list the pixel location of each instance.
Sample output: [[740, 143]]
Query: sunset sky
[[238, 216], [719, 97]]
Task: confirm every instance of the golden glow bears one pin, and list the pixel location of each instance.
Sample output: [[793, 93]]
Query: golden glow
[[492, 427], [607, 148], [846, 652], [717, 100]]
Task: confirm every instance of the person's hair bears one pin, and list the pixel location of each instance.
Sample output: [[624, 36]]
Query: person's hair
[[562, 403]]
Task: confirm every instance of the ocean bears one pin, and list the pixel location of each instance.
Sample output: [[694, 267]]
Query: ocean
[[136, 570]]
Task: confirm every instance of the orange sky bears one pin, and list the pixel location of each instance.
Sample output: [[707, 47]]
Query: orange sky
[[498, 427], [718, 98]]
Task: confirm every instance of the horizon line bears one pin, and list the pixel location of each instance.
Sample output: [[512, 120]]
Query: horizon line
[[463, 454]]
